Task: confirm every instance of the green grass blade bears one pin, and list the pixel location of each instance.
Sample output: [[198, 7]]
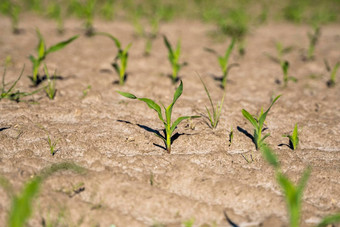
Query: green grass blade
[[270, 156], [332, 219], [230, 49], [168, 45], [295, 137], [60, 45], [250, 118], [302, 183], [127, 95], [15, 82]]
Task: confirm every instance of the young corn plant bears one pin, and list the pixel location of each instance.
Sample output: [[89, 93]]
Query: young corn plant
[[52, 145], [286, 78], [313, 40], [22, 203], [224, 61], [331, 81], [258, 124], [54, 11], [122, 57], [50, 88], [42, 52], [10, 94], [166, 120], [294, 138], [88, 12], [293, 193], [173, 56], [214, 115]]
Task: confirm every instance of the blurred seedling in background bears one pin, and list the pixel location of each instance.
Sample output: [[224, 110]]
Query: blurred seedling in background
[[11, 9], [224, 62], [10, 94], [88, 12], [286, 78], [54, 12], [173, 56], [214, 115], [86, 91], [42, 52], [331, 81], [189, 223], [294, 138], [258, 124], [313, 40], [121, 57], [52, 145], [151, 36], [22, 203], [50, 89], [169, 126], [107, 9]]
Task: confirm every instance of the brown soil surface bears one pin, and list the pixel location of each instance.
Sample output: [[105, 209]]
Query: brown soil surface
[[203, 176]]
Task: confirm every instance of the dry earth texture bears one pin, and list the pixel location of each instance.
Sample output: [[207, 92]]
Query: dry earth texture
[[131, 180]]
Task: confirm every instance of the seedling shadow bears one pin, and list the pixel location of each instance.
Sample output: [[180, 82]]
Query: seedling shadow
[[246, 133], [289, 145], [42, 78], [4, 128], [116, 82], [178, 78], [233, 224]]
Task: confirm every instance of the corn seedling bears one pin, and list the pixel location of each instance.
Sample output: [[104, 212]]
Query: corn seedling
[[12, 10], [54, 11], [122, 57], [258, 124], [293, 193], [214, 115], [10, 94], [52, 145], [88, 12], [286, 78], [50, 88], [331, 81], [313, 40], [22, 203], [173, 56], [107, 9], [294, 138], [224, 61], [169, 126], [42, 52]]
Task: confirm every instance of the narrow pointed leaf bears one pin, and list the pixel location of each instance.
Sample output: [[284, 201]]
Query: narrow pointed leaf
[[61, 45], [270, 156], [168, 45], [127, 95], [264, 115], [250, 118], [151, 104]]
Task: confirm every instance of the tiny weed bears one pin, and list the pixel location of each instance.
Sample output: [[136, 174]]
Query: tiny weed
[[50, 88], [88, 12], [214, 116], [331, 81], [122, 56], [42, 52], [224, 61], [313, 40], [9, 94], [52, 145], [173, 56], [86, 91], [169, 126], [294, 138], [258, 124]]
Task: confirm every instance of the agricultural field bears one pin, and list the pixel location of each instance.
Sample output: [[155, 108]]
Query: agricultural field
[[170, 113]]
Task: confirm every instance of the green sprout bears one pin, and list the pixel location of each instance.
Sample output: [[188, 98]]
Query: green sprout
[[258, 124], [50, 88], [173, 56], [328, 220], [224, 61], [313, 40], [122, 56], [214, 116], [169, 126], [294, 138], [9, 94], [231, 136], [331, 81], [22, 203], [286, 78], [293, 193], [52, 145], [89, 15], [54, 11], [42, 52], [86, 91]]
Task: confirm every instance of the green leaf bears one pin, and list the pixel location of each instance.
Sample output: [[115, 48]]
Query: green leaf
[[230, 49], [270, 156], [303, 181], [41, 46], [127, 48], [328, 220], [264, 115], [118, 45], [250, 118], [60, 45], [295, 137], [127, 95], [179, 120], [177, 94], [151, 104], [168, 45]]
